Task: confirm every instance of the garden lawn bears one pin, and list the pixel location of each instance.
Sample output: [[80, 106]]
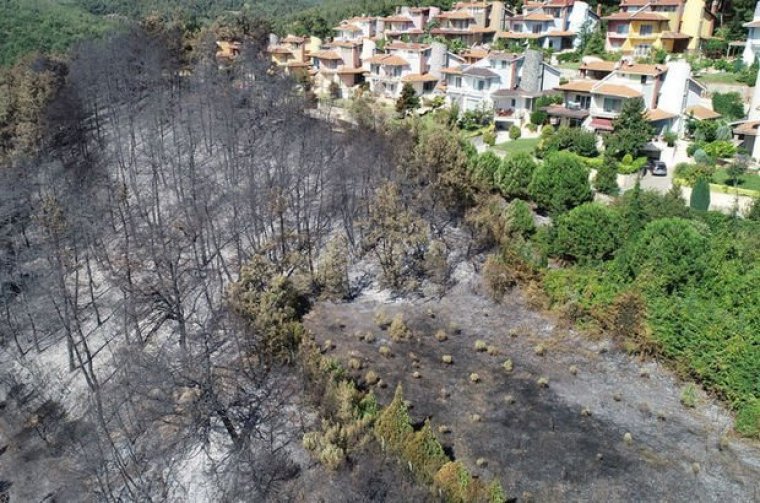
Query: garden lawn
[[719, 78], [750, 181], [520, 145]]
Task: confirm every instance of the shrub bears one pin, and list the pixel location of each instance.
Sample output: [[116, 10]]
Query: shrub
[[441, 335], [480, 346], [720, 149], [508, 366], [605, 180], [560, 183], [474, 378], [371, 377], [519, 219], [475, 119], [628, 165], [689, 396], [332, 271], [547, 131], [385, 351], [670, 138], [425, 453], [515, 132], [729, 105], [748, 419], [448, 359], [392, 426], [538, 117], [487, 166], [690, 173], [702, 157], [590, 233], [531, 127], [700, 195], [670, 252], [489, 138], [514, 175], [568, 139], [398, 329]]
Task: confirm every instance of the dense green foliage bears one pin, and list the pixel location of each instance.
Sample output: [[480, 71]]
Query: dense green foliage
[[560, 183], [44, 26], [515, 174], [588, 234], [729, 105], [700, 195], [632, 130], [569, 139], [606, 177], [408, 100]]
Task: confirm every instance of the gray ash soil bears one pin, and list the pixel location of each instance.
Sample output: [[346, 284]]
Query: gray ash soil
[[536, 440]]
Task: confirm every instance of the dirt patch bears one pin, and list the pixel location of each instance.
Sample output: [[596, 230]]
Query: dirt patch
[[555, 426]]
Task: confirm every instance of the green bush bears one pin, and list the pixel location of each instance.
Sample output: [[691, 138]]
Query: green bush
[[515, 132], [538, 117], [392, 425], [588, 234], [489, 138], [700, 195], [568, 139], [560, 183], [515, 174], [670, 138], [690, 173], [519, 219], [487, 167], [720, 149], [671, 253], [425, 453], [729, 105], [629, 165], [748, 419]]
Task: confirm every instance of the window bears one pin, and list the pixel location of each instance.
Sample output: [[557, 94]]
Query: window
[[481, 85], [503, 65], [583, 101], [645, 29], [612, 105], [396, 71], [643, 79], [513, 102], [375, 69], [621, 29], [642, 49], [458, 82], [536, 28], [428, 86]]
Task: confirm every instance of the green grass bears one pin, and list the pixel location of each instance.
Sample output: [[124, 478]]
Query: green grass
[[520, 145], [749, 181], [719, 78], [570, 65]]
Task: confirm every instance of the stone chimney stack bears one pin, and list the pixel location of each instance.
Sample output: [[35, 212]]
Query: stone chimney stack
[[437, 59], [532, 70]]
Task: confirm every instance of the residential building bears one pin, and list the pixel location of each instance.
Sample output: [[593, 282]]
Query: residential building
[[338, 66], [357, 28], [674, 25], [403, 62], [471, 22], [507, 83], [553, 24], [748, 131], [401, 26], [752, 46], [666, 91], [292, 52]]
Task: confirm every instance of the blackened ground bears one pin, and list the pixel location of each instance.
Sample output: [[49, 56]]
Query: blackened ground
[[539, 441]]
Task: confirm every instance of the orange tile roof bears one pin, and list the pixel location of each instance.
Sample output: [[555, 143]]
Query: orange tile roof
[[326, 55], [419, 77], [513, 34], [348, 27], [407, 46], [752, 24], [748, 128], [536, 16], [452, 70], [456, 14], [466, 5], [653, 3], [345, 44], [388, 59], [563, 33], [583, 86], [616, 90], [397, 19], [701, 113], [292, 39], [344, 70], [658, 114], [636, 16], [481, 29]]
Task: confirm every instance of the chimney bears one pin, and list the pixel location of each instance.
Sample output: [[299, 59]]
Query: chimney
[[531, 70]]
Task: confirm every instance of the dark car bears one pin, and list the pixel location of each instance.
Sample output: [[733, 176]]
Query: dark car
[[659, 169]]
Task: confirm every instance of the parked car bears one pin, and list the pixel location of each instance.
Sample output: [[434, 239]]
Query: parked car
[[659, 169]]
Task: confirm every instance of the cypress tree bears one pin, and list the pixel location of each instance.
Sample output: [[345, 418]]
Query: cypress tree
[[700, 195]]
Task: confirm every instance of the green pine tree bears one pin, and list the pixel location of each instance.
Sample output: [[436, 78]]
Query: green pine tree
[[408, 99]]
